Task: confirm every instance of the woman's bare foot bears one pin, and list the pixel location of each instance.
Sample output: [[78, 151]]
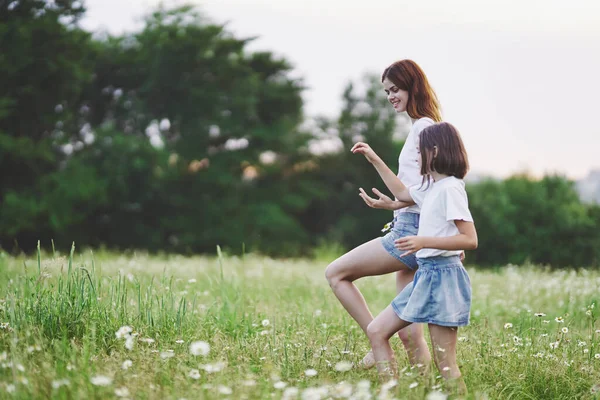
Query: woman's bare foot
[[368, 361]]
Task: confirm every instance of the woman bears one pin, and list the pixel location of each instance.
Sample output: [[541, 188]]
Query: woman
[[408, 90]]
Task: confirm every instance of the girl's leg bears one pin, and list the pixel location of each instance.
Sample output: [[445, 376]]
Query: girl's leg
[[379, 331], [412, 336], [368, 259], [443, 341]]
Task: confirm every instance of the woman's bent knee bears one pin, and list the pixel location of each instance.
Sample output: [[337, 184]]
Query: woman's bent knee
[[332, 274]]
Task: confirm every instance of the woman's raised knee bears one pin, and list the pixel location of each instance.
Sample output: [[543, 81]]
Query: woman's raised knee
[[332, 274]]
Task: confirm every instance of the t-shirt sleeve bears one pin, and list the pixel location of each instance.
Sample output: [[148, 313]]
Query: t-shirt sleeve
[[457, 205], [419, 126], [418, 194]]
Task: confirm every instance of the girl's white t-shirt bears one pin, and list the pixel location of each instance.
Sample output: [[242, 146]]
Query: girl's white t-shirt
[[409, 172], [443, 202]]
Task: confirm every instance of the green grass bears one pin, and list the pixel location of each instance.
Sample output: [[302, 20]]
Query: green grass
[[267, 322]]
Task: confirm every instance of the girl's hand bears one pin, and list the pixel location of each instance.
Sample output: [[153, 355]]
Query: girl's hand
[[384, 202], [411, 244], [365, 150]]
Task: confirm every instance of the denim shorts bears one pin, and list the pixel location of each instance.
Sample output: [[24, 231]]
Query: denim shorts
[[440, 293], [405, 224]]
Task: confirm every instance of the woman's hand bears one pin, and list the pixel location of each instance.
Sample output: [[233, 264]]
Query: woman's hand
[[383, 202], [411, 244], [365, 150]]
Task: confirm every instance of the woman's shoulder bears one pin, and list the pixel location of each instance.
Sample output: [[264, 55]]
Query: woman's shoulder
[[422, 123]]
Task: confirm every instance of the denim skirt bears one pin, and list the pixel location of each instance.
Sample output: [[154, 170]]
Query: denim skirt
[[404, 224], [440, 293]]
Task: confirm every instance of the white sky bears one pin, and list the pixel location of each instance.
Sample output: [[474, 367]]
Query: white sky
[[520, 79]]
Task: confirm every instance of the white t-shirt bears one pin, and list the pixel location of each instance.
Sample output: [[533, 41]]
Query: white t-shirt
[[408, 166], [442, 203]]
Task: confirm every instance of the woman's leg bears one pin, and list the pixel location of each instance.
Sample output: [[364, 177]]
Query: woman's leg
[[368, 259], [379, 331], [371, 259], [443, 341], [412, 336]]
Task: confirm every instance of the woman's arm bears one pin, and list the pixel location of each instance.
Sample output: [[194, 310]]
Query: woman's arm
[[389, 178], [384, 202], [465, 240]]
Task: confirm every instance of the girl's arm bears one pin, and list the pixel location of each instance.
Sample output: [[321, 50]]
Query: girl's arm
[[389, 178], [465, 240]]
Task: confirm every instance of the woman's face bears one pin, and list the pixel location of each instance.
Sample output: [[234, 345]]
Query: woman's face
[[396, 96]]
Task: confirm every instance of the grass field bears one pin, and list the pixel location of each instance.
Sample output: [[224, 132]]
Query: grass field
[[256, 328]]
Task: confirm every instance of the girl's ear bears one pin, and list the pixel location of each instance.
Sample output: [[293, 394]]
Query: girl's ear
[[435, 151]]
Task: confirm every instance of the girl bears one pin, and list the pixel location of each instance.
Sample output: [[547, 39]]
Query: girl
[[440, 294], [408, 90]]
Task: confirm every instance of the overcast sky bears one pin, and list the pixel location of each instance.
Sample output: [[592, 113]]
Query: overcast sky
[[520, 79]]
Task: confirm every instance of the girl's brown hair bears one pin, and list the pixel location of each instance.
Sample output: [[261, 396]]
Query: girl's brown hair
[[422, 100], [442, 150]]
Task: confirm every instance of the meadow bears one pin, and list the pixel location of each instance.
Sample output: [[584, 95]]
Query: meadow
[[98, 325]]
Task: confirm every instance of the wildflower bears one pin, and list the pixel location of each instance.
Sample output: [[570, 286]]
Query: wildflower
[[210, 368], [413, 385], [318, 313], [585, 351], [194, 374], [249, 382], [192, 280], [435, 395], [167, 354], [122, 392], [290, 393], [10, 388], [581, 344], [179, 341], [386, 227], [560, 320], [265, 322], [129, 343], [126, 364], [280, 385], [101, 380], [343, 366], [265, 332], [508, 325], [540, 314], [123, 332], [310, 372], [462, 339], [565, 330], [342, 390], [554, 345], [588, 313], [199, 348], [58, 383], [148, 340], [597, 356], [224, 389]]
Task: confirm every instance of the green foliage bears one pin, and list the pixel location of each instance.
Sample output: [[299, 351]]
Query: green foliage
[[541, 221], [177, 138]]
